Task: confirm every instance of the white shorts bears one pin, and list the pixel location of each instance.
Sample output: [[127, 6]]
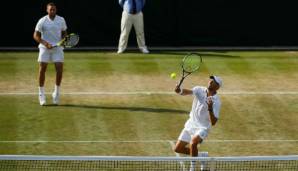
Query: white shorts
[[51, 55], [188, 133]]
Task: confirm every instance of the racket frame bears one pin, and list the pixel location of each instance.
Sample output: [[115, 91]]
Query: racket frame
[[187, 73]]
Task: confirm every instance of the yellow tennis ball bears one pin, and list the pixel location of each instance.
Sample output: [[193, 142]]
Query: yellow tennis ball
[[173, 75]]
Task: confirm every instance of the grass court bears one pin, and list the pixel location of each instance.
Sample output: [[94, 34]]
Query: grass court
[[125, 104]]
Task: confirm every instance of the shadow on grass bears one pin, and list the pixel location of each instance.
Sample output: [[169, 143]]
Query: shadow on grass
[[133, 109], [202, 53]]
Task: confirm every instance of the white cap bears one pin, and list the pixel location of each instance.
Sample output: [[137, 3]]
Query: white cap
[[217, 79]]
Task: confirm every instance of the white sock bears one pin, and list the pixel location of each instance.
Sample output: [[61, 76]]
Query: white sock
[[57, 89], [192, 164], [41, 90]]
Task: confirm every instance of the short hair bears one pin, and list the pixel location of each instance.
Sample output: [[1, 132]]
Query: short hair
[[51, 4]]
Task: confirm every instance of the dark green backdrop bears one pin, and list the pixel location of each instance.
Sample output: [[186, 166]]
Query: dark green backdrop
[[167, 22]]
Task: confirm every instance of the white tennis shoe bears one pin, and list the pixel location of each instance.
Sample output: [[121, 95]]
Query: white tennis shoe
[[42, 99], [56, 98], [120, 51], [144, 50]]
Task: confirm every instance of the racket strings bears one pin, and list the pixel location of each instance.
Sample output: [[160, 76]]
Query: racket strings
[[191, 63], [71, 40]]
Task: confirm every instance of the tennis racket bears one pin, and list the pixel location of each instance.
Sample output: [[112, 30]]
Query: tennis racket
[[190, 63], [69, 41]]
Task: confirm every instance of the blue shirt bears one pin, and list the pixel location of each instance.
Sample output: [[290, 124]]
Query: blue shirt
[[127, 5]]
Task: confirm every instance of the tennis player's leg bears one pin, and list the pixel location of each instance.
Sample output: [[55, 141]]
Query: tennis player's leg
[[195, 141], [138, 22], [58, 59], [59, 73], [42, 73], [193, 150], [126, 24], [41, 79], [43, 59], [181, 147], [199, 136], [183, 141]]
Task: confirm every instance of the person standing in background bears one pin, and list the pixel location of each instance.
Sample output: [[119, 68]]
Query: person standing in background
[[132, 15]]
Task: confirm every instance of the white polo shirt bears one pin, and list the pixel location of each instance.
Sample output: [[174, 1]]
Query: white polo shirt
[[199, 114], [51, 29]]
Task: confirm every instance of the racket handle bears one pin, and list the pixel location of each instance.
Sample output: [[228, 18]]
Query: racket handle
[[181, 81]]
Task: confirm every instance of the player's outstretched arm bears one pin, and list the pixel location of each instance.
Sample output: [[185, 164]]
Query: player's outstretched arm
[[183, 91]]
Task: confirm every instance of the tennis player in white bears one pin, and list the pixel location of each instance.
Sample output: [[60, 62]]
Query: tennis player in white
[[204, 113], [49, 30]]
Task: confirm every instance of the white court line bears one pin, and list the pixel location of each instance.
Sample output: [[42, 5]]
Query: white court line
[[153, 141], [111, 141], [260, 140], [260, 93], [158, 93], [96, 93]]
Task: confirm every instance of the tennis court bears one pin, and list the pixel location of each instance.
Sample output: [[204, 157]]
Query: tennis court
[[124, 105]]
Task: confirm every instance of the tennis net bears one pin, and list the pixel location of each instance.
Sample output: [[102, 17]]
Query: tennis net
[[113, 163]]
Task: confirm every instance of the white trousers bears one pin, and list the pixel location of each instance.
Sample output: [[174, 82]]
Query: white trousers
[[127, 21]]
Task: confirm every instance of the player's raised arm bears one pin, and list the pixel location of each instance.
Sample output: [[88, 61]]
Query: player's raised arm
[[183, 91]]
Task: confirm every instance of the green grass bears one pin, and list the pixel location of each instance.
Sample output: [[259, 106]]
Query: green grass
[[145, 124]]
